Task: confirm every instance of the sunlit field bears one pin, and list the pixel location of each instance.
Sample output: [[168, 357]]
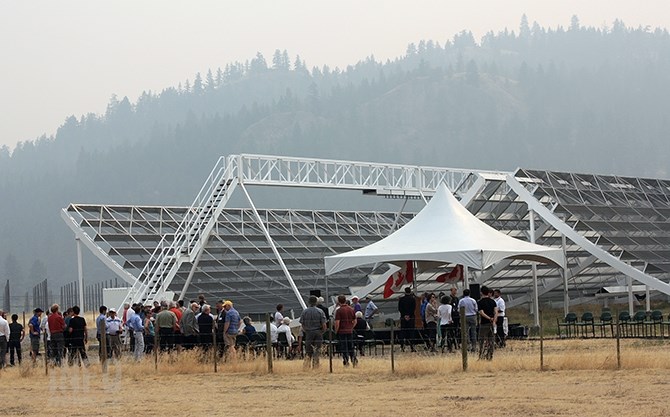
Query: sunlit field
[[580, 378]]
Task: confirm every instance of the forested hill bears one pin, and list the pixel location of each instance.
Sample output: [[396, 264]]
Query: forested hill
[[576, 98]]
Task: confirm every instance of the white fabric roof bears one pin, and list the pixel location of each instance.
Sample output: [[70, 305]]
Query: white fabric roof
[[445, 231]]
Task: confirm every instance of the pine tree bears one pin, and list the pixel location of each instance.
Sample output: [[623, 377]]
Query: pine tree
[[197, 84], [209, 80]]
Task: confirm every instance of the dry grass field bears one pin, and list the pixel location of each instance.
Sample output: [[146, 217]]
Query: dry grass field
[[581, 379]]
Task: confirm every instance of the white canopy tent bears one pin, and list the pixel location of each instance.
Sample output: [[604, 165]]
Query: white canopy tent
[[445, 232]]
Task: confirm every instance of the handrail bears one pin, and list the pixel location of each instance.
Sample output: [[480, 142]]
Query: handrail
[[183, 237]]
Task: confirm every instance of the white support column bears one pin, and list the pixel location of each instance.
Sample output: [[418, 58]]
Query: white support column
[[80, 271], [647, 301], [536, 294], [274, 248], [566, 295], [629, 280]]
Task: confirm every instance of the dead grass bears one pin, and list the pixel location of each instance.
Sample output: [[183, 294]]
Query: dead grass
[[580, 378]]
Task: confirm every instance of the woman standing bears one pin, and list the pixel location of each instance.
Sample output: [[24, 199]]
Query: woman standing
[[149, 331], [444, 312], [431, 321]]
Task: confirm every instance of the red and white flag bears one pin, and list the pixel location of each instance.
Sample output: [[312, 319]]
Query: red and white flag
[[455, 275], [402, 277]]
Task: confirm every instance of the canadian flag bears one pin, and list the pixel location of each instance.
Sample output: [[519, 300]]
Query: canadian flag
[[395, 282], [455, 275]]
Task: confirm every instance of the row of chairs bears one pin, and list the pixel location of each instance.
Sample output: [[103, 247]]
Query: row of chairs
[[641, 324], [257, 343]]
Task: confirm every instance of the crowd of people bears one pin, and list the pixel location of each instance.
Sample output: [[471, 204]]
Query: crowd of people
[[166, 326], [485, 321]]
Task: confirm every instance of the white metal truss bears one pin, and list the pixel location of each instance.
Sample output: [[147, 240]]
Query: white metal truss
[[615, 226]]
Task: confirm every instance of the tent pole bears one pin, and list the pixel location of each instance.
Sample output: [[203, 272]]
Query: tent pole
[[414, 274], [466, 277], [536, 301], [482, 266]]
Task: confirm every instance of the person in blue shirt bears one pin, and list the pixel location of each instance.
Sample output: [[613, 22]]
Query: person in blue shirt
[[248, 328], [34, 332], [136, 327], [231, 327]]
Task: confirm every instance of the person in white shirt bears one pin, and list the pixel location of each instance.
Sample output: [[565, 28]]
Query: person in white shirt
[[114, 329], [446, 329], [273, 332], [279, 316], [501, 323], [4, 338], [286, 329]]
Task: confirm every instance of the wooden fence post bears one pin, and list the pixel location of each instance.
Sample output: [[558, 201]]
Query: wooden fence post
[[464, 339], [215, 349], [392, 346], [618, 342], [268, 342], [541, 342]]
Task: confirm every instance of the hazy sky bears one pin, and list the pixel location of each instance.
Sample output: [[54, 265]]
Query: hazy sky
[[68, 57]]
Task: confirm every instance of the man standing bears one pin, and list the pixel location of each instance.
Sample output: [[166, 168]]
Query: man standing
[[56, 324], [16, 335], [220, 324], [136, 329], [189, 326], [78, 337], [231, 327], [166, 325], [320, 306], [34, 332], [4, 338], [406, 307], [470, 317], [205, 327], [100, 329], [488, 313], [345, 320], [501, 323], [114, 329], [370, 311], [313, 322]]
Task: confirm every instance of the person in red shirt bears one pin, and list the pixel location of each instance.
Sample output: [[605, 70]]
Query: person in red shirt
[[177, 337], [345, 320], [56, 327]]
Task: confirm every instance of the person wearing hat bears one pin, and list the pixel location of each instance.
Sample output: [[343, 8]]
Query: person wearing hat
[[285, 328], [114, 329], [231, 327], [356, 305], [34, 332]]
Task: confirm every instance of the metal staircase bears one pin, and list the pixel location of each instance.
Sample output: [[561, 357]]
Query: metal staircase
[[189, 238]]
